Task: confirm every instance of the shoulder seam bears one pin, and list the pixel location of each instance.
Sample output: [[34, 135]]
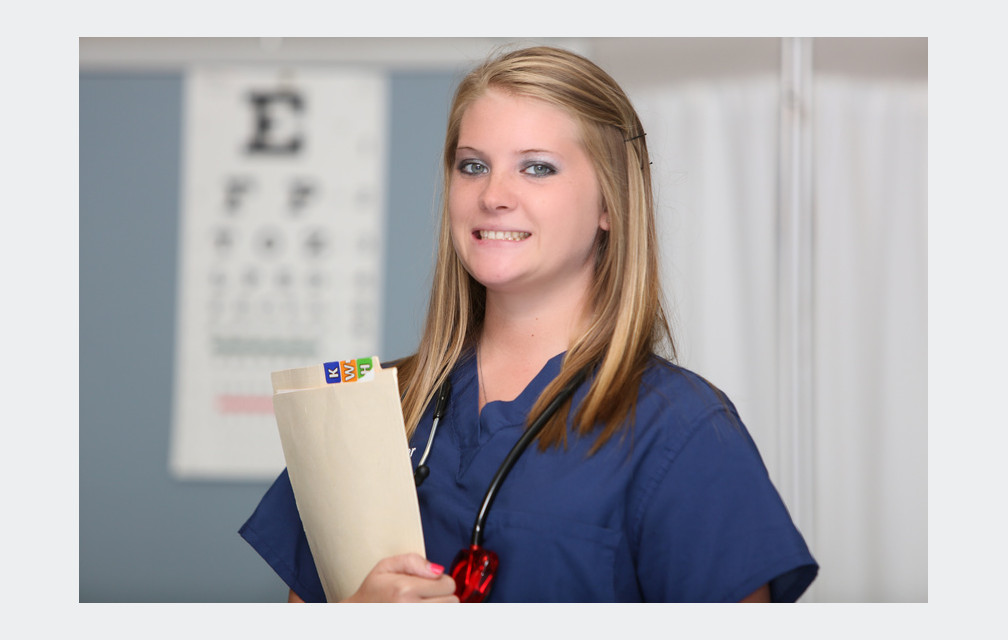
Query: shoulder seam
[[670, 457]]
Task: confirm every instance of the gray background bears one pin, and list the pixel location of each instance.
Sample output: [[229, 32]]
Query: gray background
[[144, 536]]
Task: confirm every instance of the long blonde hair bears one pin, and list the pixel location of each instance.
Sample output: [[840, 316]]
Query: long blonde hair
[[628, 321]]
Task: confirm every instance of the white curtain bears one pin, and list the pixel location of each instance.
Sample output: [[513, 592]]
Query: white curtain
[[715, 158], [714, 153], [870, 262]]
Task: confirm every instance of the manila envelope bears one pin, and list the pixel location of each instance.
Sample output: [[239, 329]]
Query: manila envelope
[[346, 452]]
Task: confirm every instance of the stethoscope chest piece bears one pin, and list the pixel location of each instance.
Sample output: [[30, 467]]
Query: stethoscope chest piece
[[473, 570]]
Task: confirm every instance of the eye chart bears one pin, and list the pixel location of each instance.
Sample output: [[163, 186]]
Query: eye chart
[[280, 251]]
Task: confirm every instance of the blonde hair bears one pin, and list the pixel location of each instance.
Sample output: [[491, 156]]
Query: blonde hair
[[628, 322]]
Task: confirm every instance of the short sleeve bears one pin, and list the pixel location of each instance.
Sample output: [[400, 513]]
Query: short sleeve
[[712, 527], [275, 531]]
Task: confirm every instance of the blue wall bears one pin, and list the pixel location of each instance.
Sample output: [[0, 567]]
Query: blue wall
[[144, 536]]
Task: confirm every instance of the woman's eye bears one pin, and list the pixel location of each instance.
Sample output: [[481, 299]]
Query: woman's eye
[[472, 167], [539, 170]]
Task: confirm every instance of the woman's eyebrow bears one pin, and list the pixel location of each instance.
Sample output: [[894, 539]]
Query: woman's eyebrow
[[522, 152]]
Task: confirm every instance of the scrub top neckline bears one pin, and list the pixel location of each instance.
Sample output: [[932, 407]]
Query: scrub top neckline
[[501, 414]]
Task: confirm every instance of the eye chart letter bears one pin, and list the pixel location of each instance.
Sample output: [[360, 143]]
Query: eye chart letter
[[280, 250]]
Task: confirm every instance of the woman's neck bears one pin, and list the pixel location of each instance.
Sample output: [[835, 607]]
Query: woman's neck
[[519, 336]]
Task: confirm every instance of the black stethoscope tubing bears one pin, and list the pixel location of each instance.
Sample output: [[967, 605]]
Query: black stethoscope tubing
[[422, 470]]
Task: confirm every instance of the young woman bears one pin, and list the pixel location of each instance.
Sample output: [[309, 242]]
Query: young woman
[[546, 321]]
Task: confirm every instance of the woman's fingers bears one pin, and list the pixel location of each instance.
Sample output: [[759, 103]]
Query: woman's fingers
[[400, 587], [443, 587], [406, 578], [450, 598], [411, 564]]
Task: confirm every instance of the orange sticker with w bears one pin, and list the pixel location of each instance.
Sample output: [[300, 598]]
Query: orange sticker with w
[[349, 370]]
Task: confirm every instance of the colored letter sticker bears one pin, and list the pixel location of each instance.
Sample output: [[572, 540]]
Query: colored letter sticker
[[349, 370], [332, 372], [364, 366]]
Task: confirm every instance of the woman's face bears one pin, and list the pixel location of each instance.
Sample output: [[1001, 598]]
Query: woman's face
[[524, 202]]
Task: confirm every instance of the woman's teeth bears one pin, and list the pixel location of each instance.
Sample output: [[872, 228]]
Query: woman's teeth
[[503, 235]]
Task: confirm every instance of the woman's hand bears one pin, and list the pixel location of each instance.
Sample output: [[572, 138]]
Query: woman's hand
[[406, 578]]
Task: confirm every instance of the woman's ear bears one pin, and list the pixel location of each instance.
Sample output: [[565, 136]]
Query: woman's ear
[[603, 221]]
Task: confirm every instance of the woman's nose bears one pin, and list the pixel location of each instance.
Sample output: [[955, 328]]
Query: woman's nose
[[498, 193]]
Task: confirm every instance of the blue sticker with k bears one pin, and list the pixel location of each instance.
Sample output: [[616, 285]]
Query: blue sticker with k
[[332, 372]]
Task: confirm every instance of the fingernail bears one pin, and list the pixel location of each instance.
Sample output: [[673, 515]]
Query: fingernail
[[436, 568]]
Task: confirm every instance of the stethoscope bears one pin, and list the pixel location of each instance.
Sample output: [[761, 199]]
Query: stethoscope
[[474, 568]]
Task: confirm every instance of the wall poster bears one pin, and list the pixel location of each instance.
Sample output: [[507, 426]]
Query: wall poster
[[280, 250]]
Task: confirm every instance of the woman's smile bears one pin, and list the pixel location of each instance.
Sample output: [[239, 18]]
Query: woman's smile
[[511, 236]]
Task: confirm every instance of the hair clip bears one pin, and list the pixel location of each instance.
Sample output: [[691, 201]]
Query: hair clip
[[635, 137]]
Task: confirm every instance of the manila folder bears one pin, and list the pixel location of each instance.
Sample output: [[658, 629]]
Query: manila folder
[[346, 452]]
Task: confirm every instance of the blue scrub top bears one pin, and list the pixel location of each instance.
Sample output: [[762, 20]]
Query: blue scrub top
[[678, 508]]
